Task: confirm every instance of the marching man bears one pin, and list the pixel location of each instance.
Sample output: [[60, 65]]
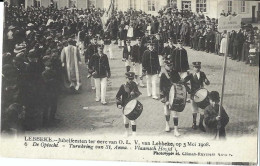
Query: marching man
[[100, 70], [92, 49], [127, 52], [197, 80], [151, 68], [167, 79], [126, 93], [137, 53]]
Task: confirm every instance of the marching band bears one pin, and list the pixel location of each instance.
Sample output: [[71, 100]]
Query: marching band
[[153, 49]]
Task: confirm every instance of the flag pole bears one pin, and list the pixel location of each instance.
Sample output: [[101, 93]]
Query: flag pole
[[223, 85]]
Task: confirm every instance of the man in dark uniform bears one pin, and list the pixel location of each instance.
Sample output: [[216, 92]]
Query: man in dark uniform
[[92, 49], [197, 80], [126, 93], [151, 68], [213, 120], [167, 79], [159, 46], [180, 58], [169, 49], [137, 56], [127, 55], [145, 39]]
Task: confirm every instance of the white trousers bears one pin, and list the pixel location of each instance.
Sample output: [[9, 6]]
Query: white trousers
[[151, 85], [168, 112], [138, 69], [101, 88], [126, 120], [121, 43], [128, 62], [108, 50], [195, 108]]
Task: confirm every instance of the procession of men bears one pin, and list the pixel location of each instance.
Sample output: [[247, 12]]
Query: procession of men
[[46, 49]]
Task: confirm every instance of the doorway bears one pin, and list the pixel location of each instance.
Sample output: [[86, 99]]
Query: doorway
[[253, 13]]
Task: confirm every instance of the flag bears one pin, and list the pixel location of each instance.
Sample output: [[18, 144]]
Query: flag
[[107, 14]]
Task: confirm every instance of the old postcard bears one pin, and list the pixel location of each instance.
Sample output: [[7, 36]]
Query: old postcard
[[167, 81]]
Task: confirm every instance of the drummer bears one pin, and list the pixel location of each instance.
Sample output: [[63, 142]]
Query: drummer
[[167, 79], [197, 80], [126, 93]]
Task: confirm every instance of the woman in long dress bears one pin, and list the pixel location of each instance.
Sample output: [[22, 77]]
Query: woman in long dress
[[223, 45]]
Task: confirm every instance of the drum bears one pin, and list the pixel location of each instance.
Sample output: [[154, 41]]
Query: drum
[[177, 97], [201, 98], [133, 109]]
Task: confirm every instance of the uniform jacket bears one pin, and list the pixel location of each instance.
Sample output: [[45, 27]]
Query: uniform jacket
[[168, 50], [91, 50], [158, 46], [137, 53], [99, 65], [166, 83], [197, 83], [150, 62], [180, 60], [123, 95]]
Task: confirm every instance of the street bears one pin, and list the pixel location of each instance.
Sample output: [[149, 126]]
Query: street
[[240, 102]]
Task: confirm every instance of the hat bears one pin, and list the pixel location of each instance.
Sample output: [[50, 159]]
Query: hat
[[21, 54], [130, 75], [196, 64], [11, 27], [19, 48], [214, 95]]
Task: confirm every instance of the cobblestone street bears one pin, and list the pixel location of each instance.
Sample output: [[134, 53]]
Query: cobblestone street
[[240, 102]]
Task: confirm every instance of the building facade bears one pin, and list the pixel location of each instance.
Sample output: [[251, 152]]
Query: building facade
[[249, 10]]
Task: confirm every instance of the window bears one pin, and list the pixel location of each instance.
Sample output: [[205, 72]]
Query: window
[[151, 5], [132, 4], [230, 6], [37, 3], [201, 5], [91, 3], [72, 3], [243, 6]]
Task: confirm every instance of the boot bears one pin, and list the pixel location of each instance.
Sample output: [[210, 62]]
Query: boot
[[127, 68], [167, 126], [194, 125], [176, 132], [201, 126]]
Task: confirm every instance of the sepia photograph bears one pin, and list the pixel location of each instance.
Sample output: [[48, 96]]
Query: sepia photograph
[[169, 81]]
